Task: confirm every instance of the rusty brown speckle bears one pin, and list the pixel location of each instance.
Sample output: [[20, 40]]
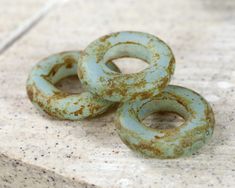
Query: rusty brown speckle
[[80, 111], [146, 146], [69, 62], [29, 92]]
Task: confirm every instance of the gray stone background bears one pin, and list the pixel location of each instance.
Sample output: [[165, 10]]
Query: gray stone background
[[38, 151]]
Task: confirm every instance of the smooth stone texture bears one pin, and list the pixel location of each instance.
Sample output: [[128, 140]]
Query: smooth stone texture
[[201, 35], [13, 14]]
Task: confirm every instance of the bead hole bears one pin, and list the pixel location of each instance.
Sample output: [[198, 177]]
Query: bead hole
[[130, 65], [163, 120], [70, 84]]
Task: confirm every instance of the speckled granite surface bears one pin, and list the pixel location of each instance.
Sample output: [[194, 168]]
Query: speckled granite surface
[[14, 13], [89, 153], [15, 173]]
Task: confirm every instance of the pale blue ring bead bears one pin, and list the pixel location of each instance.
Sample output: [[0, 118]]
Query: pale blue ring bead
[[100, 80], [167, 143], [59, 104]]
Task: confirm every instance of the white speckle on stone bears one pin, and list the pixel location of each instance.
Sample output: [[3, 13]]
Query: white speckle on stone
[[233, 73], [224, 84], [124, 182], [212, 98]]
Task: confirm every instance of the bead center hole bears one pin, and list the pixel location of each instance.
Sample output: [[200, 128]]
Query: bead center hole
[[70, 84], [130, 65], [163, 120]]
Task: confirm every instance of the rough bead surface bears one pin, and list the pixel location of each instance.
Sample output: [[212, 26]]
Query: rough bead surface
[[99, 79], [59, 104], [167, 143]]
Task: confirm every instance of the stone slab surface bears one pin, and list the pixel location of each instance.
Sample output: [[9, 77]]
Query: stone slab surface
[[14, 13], [90, 153]]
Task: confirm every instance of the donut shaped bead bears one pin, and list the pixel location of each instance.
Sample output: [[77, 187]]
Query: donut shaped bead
[[114, 86], [59, 104], [167, 143]]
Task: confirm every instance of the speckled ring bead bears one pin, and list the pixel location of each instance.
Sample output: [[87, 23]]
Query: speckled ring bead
[[167, 143], [46, 97], [114, 86]]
